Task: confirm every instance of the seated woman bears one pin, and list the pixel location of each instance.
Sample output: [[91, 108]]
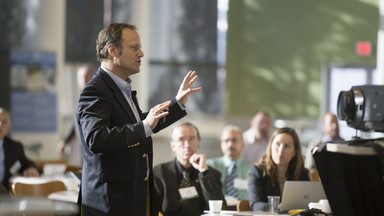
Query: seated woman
[[282, 162]]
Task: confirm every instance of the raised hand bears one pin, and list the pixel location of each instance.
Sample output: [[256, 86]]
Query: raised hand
[[156, 113], [185, 88]]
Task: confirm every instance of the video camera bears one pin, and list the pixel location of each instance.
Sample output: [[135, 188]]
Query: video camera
[[362, 107]]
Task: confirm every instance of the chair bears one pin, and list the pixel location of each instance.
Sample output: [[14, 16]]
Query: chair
[[73, 169], [243, 205], [39, 189], [314, 175]]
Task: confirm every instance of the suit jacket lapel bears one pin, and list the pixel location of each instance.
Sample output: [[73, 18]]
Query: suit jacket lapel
[[134, 98], [117, 93]]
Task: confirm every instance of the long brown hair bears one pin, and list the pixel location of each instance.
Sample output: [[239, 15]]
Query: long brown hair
[[296, 165]]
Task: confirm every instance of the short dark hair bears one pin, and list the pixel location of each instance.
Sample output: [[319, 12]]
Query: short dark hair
[[110, 35]]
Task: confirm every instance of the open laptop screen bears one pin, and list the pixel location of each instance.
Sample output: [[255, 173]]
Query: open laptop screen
[[298, 194]]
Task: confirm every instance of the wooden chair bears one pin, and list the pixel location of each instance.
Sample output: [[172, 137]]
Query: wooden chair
[[243, 205], [314, 175], [73, 169], [39, 190]]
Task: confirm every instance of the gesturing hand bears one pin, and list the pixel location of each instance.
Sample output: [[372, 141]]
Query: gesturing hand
[[185, 88], [156, 113]]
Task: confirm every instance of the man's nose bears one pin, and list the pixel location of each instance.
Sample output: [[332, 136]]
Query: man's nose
[[141, 53], [186, 143]]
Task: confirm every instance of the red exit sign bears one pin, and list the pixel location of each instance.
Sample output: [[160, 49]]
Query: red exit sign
[[364, 48]]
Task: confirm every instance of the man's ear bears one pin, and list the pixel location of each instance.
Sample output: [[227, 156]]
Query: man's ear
[[173, 147], [112, 50]]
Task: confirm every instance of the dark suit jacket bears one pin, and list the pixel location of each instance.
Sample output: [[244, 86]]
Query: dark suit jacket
[[260, 187], [117, 155], [208, 186], [13, 155]]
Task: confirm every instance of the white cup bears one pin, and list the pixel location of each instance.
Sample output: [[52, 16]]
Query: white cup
[[273, 204], [215, 206]]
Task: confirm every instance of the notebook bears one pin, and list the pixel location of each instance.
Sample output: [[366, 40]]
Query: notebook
[[298, 194]]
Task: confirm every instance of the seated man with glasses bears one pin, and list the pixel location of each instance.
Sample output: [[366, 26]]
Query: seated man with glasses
[[234, 170], [185, 184]]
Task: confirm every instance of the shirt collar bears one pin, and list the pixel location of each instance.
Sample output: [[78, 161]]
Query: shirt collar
[[180, 167], [123, 85], [228, 161], [1, 144]]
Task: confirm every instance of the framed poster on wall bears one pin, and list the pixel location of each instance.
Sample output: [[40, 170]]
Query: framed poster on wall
[[33, 92]]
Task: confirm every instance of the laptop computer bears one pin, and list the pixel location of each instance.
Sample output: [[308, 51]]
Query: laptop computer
[[298, 194]]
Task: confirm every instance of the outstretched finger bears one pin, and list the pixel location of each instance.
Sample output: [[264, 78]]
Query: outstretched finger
[[190, 75], [195, 89]]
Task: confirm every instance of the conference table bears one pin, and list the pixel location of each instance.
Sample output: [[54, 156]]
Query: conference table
[[34, 206], [241, 213]]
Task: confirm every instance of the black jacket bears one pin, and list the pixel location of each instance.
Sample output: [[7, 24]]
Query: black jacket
[[116, 152], [15, 160], [260, 187], [208, 186]]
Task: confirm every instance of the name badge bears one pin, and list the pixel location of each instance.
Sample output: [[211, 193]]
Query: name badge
[[15, 167], [188, 192], [240, 184]]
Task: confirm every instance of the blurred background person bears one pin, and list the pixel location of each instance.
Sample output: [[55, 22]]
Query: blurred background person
[[233, 169], [256, 137], [185, 184], [330, 128], [12, 158], [282, 162], [70, 146]]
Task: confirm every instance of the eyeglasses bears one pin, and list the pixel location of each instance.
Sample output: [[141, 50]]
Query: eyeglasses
[[191, 139]]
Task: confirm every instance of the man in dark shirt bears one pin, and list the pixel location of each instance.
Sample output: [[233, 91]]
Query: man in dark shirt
[[185, 184]]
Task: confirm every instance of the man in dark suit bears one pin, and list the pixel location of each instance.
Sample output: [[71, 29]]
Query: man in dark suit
[[117, 176], [186, 184], [12, 157]]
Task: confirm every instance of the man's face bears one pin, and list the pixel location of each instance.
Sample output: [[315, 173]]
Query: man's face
[[232, 144], [129, 54], [184, 143], [262, 124], [4, 124], [331, 126]]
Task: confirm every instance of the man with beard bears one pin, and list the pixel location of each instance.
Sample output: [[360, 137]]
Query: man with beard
[[234, 170], [330, 129], [256, 137], [185, 184]]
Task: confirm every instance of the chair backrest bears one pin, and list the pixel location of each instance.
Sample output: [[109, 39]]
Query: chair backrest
[[243, 205], [73, 169], [314, 175], [40, 189]]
